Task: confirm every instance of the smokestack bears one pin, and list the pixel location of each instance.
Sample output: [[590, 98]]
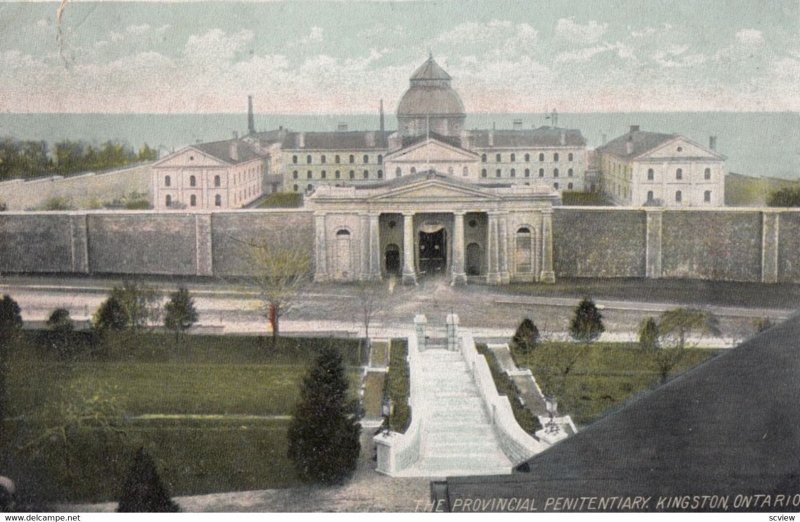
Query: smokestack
[[629, 146], [383, 128], [251, 122], [491, 138], [712, 143], [341, 127]]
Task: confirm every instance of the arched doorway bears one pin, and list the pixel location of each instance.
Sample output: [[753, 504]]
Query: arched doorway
[[473, 259], [392, 259], [343, 254], [433, 251], [524, 253]]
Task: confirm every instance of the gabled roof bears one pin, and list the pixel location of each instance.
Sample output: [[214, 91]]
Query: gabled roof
[[729, 427], [422, 141], [540, 137], [429, 175], [643, 142], [222, 151]]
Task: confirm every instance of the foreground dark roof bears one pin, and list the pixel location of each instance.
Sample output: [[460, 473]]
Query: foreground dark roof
[[729, 427], [540, 137]]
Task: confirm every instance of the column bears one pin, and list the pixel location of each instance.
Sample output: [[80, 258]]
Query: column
[[321, 269], [409, 272], [79, 241], [420, 322], [505, 277], [769, 246], [363, 220], [547, 275], [457, 274], [374, 248], [452, 332], [203, 249], [492, 272], [653, 243]]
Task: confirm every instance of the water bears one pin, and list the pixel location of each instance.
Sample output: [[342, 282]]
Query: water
[[756, 144]]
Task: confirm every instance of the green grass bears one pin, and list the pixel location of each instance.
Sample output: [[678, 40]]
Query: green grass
[[398, 386], [373, 394], [505, 386], [745, 191], [151, 374], [379, 356], [601, 376], [569, 197], [282, 200]]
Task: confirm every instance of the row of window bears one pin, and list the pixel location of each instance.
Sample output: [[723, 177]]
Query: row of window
[[678, 174], [679, 196], [217, 180], [247, 193], [310, 187], [498, 158], [336, 159], [513, 173], [336, 175]]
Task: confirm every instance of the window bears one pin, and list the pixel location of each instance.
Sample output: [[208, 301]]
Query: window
[[570, 172], [680, 149], [513, 157], [191, 158], [483, 173], [324, 174], [555, 186], [322, 159], [651, 175], [413, 170], [555, 173], [678, 196], [217, 181], [380, 159], [366, 174], [352, 159], [541, 173], [352, 174], [167, 181], [310, 187], [308, 174], [295, 188], [527, 173], [707, 196], [338, 174], [380, 174], [294, 159], [450, 170], [466, 171], [513, 173], [527, 157], [336, 159], [649, 195], [570, 157], [366, 159], [192, 181], [193, 200], [541, 156], [524, 250], [483, 158], [497, 173], [498, 158], [569, 186], [398, 172], [168, 200], [294, 174], [679, 174], [217, 200], [308, 159], [707, 173], [555, 156]]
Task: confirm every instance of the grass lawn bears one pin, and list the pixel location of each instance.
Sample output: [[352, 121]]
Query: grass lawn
[[373, 394], [591, 380], [282, 200], [379, 355], [204, 375]]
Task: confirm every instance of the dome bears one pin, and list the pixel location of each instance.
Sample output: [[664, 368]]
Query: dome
[[430, 94]]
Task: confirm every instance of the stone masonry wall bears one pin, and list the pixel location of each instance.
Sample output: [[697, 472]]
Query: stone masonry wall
[[789, 247]]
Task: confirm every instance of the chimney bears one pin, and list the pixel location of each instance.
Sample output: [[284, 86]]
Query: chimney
[[342, 127], [562, 138], [300, 140], [634, 128], [712, 143], [516, 124], [370, 139], [233, 149], [491, 138], [251, 122], [629, 146], [383, 128]]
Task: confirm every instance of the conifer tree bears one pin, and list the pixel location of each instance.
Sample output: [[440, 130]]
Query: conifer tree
[[587, 324], [180, 313], [526, 337], [143, 491], [324, 432]]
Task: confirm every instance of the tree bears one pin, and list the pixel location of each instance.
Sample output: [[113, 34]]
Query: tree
[[674, 326], [324, 431], [370, 304], [587, 324], [648, 335], [140, 302], [281, 268], [10, 324], [179, 312], [785, 197], [526, 337], [143, 491], [60, 321], [110, 315]]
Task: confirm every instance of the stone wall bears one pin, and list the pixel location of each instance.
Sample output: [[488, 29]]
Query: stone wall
[[79, 191]]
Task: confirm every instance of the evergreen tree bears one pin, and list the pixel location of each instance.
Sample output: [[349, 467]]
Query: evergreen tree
[[324, 431], [111, 315], [60, 321], [648, 335], [143, 491], [10, 324], [526, 337], [587, 324], [180, 313]]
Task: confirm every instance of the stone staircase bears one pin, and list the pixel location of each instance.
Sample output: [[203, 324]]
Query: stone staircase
[[457, 436]]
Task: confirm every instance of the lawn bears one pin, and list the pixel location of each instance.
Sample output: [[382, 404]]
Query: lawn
[[282, 200], [592, 380], [205, 376]]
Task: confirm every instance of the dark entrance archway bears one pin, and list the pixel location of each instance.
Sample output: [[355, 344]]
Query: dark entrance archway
[[392, 259], [473, 259], [433, 252]]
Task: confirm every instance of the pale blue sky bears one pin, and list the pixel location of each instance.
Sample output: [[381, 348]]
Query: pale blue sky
[[308, 56]]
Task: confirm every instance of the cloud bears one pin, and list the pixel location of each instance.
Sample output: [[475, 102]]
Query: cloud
[[567, 29], [750, 37], [504, 34], [216, 47]]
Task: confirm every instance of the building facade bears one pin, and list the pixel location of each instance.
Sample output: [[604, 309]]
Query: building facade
[[649, 168]]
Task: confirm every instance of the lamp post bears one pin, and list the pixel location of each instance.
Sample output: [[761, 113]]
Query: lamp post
[[551, 404]]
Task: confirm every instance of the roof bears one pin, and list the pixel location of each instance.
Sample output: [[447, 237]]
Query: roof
[[337, 140], [429, 174], [643, 141], [453, 141], [222, 150], [541, 137], [729, 427], [430, 70], [428, 100]]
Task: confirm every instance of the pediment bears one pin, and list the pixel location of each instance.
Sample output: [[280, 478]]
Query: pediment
[[189, 157], [431, 150], [680, 147], [433, 190]]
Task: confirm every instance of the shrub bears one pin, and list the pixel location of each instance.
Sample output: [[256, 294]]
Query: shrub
[[587, 324], [111, 315], [398, 387], [179, 312], [143, 491], [525, 338], [648, 335]]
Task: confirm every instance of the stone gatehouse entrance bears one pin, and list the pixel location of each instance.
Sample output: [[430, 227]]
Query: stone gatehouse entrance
[[433, 252]]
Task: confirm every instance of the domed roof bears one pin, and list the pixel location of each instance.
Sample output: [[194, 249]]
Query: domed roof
[[430, 93]]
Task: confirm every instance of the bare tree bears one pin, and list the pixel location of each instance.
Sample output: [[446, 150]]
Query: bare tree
[[281, 268], [370, 304], [673, 328]]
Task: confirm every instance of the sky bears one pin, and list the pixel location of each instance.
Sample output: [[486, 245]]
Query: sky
[[343, 56]]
